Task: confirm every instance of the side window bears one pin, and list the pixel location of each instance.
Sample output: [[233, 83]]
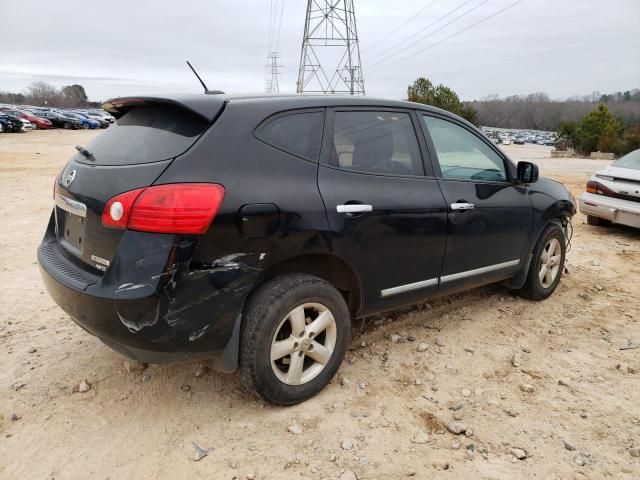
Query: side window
[[462, 155], [296, 133], [376, 142]]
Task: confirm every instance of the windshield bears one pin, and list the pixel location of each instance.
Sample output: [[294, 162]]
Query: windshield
[[630, 160]]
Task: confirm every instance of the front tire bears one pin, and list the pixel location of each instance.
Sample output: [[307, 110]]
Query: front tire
[[547, 264], [295, 334]]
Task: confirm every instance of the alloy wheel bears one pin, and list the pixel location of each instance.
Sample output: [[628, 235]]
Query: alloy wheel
[[303, 343], [550, 263]]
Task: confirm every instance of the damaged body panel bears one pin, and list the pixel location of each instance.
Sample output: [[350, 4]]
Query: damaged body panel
[[154, 301]]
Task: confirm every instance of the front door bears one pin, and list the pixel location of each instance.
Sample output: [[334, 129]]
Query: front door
[[489, 215], [386, 215]]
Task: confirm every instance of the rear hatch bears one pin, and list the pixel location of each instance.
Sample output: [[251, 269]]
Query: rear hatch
[[132, 153]]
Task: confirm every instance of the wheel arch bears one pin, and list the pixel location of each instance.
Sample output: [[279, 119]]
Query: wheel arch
[[560, 219], [330, 268]]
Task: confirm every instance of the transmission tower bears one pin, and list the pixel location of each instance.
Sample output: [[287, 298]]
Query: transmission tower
[[273, 70], [330, 57]]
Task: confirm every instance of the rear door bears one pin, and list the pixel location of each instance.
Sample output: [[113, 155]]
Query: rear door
[[489, 215], [386, 213]]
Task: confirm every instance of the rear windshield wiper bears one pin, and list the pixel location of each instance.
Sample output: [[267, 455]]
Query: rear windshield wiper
[[86, 153]]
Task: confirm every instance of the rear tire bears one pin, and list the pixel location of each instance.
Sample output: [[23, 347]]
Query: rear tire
[[282, 358], [547, 264], [596, 221], [66, 126]]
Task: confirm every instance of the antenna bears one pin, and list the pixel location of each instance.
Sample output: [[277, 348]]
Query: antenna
[[206, 90]]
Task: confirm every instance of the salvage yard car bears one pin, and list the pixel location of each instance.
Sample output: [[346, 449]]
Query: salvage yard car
[[251, 230], [38, 122], [58, 120], [9, 123], [613, 194]]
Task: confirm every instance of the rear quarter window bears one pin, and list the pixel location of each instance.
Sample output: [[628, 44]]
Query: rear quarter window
[[146, 134], [298, 133]]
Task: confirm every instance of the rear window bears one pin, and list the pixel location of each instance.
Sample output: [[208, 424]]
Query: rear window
[[297, 133], [630, 160], [149, 133]]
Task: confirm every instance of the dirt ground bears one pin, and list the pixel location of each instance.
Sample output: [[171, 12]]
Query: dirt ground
[[548, 378]]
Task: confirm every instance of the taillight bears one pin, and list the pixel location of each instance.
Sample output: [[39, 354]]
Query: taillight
[[600, 189], [187, 208], [117, 210]]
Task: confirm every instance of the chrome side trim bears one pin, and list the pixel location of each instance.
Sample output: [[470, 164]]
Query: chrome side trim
[[387, 292], [479, 271], [71, 206]]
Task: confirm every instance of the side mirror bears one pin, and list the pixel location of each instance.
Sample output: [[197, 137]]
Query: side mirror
[[527, 172]]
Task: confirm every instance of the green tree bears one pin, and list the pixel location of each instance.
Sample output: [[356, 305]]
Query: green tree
[[567, 137], [599, 130], [74, 95], [440, 96]]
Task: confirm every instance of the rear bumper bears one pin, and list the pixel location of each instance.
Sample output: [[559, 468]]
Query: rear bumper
[[615, 210], [150, 304]]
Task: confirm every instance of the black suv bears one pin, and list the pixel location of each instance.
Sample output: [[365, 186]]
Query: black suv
[[252, 229]]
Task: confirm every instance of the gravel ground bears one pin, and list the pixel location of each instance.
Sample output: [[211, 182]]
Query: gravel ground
[[477, 385]]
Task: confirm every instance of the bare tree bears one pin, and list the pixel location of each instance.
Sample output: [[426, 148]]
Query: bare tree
[[538, 111]]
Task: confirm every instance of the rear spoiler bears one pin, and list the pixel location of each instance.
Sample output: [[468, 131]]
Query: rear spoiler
[[206, 106]]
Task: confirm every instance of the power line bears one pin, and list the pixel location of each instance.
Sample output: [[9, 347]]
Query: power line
[[431, 34], [270, 24], [273, 66], [413, 36], [412, 17], [279, 24], [450, 36]]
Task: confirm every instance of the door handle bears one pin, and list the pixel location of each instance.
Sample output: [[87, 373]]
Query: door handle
[[353, 208], [462, 206]]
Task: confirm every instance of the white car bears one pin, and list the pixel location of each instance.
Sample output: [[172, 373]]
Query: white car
[[613, 194], [26, 125]]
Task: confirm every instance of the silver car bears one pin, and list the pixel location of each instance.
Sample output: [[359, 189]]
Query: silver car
[[613, 194]]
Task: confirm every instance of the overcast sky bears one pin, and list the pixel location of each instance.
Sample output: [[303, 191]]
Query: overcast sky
[[116, 47]]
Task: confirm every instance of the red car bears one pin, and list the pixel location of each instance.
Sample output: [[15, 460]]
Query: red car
[[37, 121]]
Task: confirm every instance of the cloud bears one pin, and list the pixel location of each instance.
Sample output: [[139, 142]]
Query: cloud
[[124, 47]]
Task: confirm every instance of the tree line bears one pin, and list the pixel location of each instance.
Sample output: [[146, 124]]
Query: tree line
[[598, 130], [45, 94], [608, 123], [538, 111]]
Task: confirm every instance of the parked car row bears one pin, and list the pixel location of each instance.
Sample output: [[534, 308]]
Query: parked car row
[[519, 137], [22, 118]]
